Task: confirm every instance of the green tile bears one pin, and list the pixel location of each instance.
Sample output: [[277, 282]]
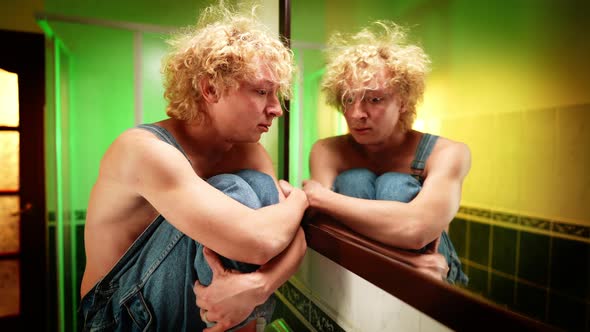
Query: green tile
[[322, 322], [533, 264], [295, 297], [531, 301], [504, 250], [52, 280], [502, 290], [478, 281], [567, 313], [479, 243], [458, 235], [282, 311], [570, 265]]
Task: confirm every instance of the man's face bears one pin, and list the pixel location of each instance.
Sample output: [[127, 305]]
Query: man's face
[[244, 113], [373, 114]]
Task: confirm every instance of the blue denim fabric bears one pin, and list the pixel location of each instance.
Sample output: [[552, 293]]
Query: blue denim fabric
[[392, 186], [149, 289], [255, 190]]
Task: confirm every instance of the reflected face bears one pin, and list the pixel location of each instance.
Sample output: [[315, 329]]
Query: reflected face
[[373, 114], [244, 113]]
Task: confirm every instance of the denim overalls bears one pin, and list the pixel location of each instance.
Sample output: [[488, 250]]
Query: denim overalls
[[151, 287], [393, 186]]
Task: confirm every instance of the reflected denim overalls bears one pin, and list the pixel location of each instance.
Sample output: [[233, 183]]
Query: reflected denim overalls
[[393, 186], [151, 287]]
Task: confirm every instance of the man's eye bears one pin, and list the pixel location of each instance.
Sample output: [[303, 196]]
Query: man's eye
[[262, 92], [375, 100]]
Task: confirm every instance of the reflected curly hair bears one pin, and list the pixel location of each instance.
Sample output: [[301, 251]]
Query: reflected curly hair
[[225, 47], [354, 60]]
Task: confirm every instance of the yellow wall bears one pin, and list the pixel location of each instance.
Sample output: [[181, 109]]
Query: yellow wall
[[516, 91], [18, 15]]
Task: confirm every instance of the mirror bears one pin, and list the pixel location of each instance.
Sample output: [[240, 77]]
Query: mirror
[[510, 80]]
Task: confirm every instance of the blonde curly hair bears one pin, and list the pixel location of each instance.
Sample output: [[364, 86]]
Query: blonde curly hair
[[355, 60], [226, 47]]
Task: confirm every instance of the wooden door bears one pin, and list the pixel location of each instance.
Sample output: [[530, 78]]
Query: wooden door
[[23, 244]]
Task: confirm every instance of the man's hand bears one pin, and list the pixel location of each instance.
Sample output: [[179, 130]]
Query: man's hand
[[313, 190], [288, 190], [230, 297]]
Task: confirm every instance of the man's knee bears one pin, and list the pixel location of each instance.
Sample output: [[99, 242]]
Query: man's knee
[[396, 187], [237, 188], [263, 185], [357, 182]]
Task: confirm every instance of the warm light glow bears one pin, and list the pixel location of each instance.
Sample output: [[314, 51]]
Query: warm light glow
[[9, 151], [9, 225], [419, 125], [342, 127], [8, 98], [9, 288]]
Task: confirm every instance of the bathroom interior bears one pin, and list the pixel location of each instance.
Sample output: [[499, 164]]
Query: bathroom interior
[[509, 78]]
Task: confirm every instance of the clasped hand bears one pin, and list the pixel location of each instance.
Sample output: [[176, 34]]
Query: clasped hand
[[313, 190], [230, 297]]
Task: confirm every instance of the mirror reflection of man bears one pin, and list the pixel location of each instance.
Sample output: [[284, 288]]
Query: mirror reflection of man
[[173, 193], [385, 180]]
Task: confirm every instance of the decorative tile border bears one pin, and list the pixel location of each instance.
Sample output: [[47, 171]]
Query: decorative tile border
[[79, 217], [505, 217], [555, 227], [536, 223], [314, 315], [575, 230]]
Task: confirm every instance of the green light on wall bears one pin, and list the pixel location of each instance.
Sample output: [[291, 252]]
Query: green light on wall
[[59, 231], [294, 129]]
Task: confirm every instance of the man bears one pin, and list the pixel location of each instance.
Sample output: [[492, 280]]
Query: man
[[163, 186], [384, 180]]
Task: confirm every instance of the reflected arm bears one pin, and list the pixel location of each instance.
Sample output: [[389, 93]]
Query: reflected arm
[[406, 225]]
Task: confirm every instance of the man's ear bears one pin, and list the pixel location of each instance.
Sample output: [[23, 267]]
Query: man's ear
[[402, 108], [208, 91]]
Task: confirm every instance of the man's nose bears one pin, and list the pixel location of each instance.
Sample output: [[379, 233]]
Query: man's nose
[[274, 107], [355, 110]]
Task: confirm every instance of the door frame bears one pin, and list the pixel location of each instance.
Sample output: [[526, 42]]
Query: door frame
[[26, 57]]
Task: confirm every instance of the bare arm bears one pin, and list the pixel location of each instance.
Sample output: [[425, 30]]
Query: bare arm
[[162, 175], [406, 225], [231, 296], [282, 267]]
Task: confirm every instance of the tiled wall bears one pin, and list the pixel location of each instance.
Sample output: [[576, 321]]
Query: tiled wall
[[303, 310], [327, 292], [72, 273], [523, 231], [538, 267], [530, 162]]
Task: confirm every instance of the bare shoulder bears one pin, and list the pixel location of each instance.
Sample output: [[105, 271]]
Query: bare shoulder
[[452, 156], [330, 146], [133, 150], [327, 159]]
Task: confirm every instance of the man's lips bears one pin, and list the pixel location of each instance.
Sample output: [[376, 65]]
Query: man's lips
[[264, 126]]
